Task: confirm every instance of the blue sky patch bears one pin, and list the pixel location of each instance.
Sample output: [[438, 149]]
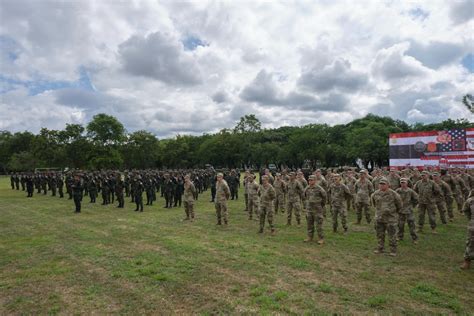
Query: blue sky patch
[[192, 42], [468, 62]]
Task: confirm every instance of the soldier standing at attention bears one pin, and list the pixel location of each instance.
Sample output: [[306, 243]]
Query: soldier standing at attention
[[409, 202], [315, 199], [189, 198], [363, 190], [446, 194], [60, 183], [252, 187], [338, 194], [393, 179], [77, 188], [119, 187], [267, 196], [280, 191], [92, 189], [29, 186], [468, 209], [222, 195], [427, 192], [247, 180], [388, 205], [138, 192], [12, 181], [295, 194]]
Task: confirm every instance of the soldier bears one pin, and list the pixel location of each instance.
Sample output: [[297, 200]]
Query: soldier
[[138, 192], [168, 191], [409, 201], [29, 186], [247, 180], [17, 181], [388, 205], [44, 182], [178, 192], [459, 190], [300, 177], [52, 184], [338, 194], [213, 188], [350, 182], [468, 209], [23, 181], [12, 181], [105, 191], [77, 188], [149, 188], [222, 195], [364, 189], [60, 184], [393, 179], [427, 192], [446, 195], [252, 187], [267, 196], [119, 187], [315, 198], [189, 198], [92, 190], [233, 185], [295, 194], [280, 191]]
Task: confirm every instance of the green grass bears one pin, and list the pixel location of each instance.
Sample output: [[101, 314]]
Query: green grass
[[109, 260]]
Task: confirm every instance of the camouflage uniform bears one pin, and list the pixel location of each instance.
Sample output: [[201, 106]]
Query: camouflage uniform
[[280, 191], [364, 189], [427, 192], [409, 201], [295, 192], [468, 209], [350, 182], [189, 198], [338, 193], [458, 191], [267, 196], [442, 199], [387, 206], [315, 198], [252, 187], [222, 195]]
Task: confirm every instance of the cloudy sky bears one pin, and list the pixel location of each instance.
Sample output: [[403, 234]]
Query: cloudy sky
[[192, 67]]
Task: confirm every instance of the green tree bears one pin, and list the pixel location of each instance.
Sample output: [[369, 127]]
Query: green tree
[[105, 130]]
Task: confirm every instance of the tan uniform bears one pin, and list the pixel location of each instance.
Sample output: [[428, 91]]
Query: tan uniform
[[388, 205], [189, 198], [315, 198], [222, 195]]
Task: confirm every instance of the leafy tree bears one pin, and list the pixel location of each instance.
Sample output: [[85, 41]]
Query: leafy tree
[[248, 124], [105, 130], [468, 101]]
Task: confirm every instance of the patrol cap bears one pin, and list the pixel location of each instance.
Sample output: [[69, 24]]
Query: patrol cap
[[292, 173], [383, 180], [362, 171], [435, 174], [278, 174], [312, 177], [425, 172], [403, 180], [336, 175], [220, 174]]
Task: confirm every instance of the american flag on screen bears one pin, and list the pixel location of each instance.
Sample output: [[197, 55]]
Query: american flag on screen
[[458, 141]]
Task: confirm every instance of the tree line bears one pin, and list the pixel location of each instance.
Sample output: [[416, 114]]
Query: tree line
[[105, 144]]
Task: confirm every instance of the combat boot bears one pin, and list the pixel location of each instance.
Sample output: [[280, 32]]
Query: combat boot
[[433, 231], [260, 231], [308, 239], [273, 232], [466, 264], [321, 242]]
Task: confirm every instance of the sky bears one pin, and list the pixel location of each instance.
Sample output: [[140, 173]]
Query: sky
[[172, 67]]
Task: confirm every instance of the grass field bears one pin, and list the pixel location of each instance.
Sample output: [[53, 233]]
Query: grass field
[[109, 260]]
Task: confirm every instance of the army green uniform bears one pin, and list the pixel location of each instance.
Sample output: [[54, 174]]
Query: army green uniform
[[295, 192], [189, 198], [468, 209], [338, 194], [252, 187], [427, 193], [351, 201], [267, 196], [315, 198], [364, 189], [280, 191], [388, 205], [409, 202], [459, 191], [222, 195]]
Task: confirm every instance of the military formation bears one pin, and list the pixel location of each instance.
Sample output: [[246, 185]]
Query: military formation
[[401, 198]]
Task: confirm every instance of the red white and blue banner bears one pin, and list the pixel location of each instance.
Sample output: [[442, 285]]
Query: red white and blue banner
[[450, 148]]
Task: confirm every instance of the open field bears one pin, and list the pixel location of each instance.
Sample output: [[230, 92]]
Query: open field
[[109, 260]]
